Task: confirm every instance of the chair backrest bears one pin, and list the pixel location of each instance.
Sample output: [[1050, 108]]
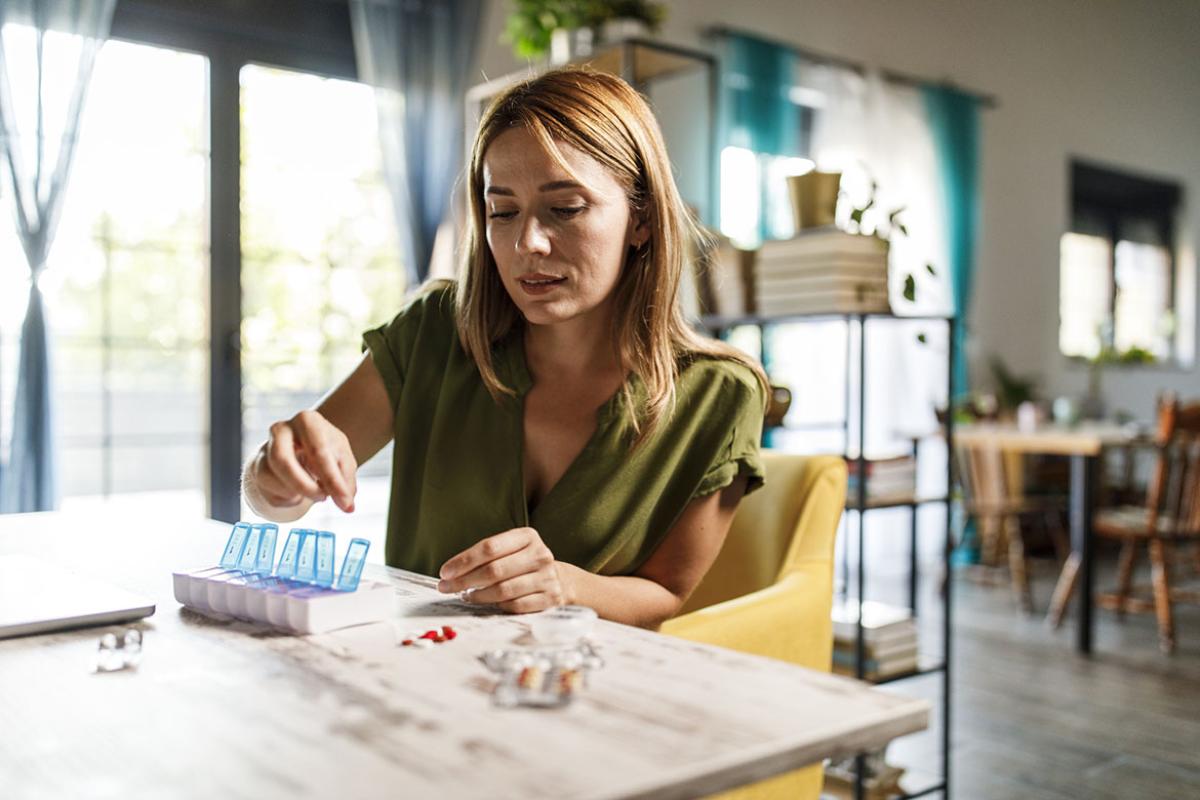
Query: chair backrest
[[1174, 491], [989, 476], [1175, 481], [792, 520]]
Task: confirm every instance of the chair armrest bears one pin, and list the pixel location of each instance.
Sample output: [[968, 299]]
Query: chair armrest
[[789, 620]]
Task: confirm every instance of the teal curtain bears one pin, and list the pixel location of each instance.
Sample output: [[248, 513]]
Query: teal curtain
[[756, 78], [954, 122], [757, 113]]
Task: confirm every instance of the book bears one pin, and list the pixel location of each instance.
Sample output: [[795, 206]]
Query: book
[[875, 466], [880, 779], [823, 303], [822, 241], [807, 288], [821, 265], [880, 620], [884, 649], [874, 668], [818, 280]]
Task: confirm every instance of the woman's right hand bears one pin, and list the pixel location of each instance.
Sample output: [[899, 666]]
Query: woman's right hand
[[305, 458]]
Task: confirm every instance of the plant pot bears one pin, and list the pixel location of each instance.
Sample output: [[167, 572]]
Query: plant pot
[[569, 44], [618, 30], [814, 198]]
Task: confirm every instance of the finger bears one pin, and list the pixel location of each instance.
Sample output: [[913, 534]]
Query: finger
[[327, 468], [486, 551], [526, 560], [283, 462], [326, 450], [511, 588], [269, 487], [529, 603]]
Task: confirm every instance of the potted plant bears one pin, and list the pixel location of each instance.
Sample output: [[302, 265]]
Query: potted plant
[[534, 25]]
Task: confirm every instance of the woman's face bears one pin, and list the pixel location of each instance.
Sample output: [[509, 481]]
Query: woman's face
[[559, 241]]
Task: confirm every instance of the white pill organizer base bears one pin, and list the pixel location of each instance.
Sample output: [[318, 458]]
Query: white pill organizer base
[[297, 607]]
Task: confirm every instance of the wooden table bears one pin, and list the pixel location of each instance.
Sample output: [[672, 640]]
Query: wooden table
[[1083, 444], [222, 708]]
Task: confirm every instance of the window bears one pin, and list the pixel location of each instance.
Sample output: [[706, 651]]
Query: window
[[127, 285], [1117, 268], [320, 257], [755, 204], [127, 288]]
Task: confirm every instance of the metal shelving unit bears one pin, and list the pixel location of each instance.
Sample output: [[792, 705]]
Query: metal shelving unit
[[858, 504]]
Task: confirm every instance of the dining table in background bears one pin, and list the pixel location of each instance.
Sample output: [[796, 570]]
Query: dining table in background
[[224, 708], [1083, 444]]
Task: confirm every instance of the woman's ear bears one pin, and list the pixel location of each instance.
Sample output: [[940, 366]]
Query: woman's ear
[[640, 233]]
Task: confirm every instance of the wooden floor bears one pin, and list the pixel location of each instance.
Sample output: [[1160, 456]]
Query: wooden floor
[[1034, 720]]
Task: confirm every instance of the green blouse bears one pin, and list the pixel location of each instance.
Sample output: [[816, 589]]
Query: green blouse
[[457, 463]]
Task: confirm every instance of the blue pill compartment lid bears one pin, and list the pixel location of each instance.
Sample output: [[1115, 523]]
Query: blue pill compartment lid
[[324, 559], [249, 560], [306, 557], [291, 549], [235, 546], [352, 565], [266, 548]]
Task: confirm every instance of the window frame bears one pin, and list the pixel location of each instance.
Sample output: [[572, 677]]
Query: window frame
[[1113, 196], [307, 35]]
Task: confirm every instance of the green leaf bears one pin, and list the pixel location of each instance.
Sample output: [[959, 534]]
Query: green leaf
[[922, 338], [929, 268], [856, 215], [910, 288], [900, 226]]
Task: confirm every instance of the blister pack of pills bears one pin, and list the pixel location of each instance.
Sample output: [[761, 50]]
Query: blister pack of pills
[[540, 677], [299, 592]]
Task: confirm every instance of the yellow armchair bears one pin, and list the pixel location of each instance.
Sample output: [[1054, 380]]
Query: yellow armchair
[[770, 590]]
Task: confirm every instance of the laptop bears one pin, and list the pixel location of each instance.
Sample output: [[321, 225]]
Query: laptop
[[38, 596]]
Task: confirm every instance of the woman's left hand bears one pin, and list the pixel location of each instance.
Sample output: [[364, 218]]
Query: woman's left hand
[[513, 570]]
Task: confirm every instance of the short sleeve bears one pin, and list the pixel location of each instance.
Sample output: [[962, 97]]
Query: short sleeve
[[742, 404], [392, 345]]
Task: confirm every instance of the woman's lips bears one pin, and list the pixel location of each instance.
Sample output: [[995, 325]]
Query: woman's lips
[[538, 283]]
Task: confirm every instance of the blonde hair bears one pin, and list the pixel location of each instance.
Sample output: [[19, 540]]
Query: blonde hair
[[604, 117]]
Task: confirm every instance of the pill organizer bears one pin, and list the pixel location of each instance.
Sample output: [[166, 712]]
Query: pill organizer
[[299, 593]]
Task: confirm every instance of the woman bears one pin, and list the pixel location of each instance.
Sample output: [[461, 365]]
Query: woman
[[561, 435]]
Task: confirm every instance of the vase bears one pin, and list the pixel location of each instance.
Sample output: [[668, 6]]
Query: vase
[[618, 30], [569, 44], [814, 198], [1093, 402]]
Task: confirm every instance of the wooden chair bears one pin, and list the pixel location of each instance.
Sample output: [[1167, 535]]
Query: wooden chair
[[994, 495], [1169, 516]]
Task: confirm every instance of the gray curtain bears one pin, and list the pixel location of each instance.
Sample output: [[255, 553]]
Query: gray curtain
[[47, 51], [418, 55]]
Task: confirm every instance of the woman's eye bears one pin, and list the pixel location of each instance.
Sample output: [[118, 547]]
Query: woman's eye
[[566, 212], [502, 215]]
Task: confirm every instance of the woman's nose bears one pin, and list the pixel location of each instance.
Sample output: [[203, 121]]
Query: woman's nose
[[533, 239]]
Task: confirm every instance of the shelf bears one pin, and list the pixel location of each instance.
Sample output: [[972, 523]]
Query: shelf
[[646, 60], [717, 322], [638, 61], [940, 786], [929, 669], [926, 665]]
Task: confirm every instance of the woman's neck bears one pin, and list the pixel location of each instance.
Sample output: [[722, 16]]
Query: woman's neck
[[579, 347]]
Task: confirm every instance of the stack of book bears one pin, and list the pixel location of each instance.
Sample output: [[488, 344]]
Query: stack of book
[[881, 780], [822, 270], [888, 480], [889, 634]]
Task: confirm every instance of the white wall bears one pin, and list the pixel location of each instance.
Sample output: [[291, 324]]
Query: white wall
[[1113, 82]]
